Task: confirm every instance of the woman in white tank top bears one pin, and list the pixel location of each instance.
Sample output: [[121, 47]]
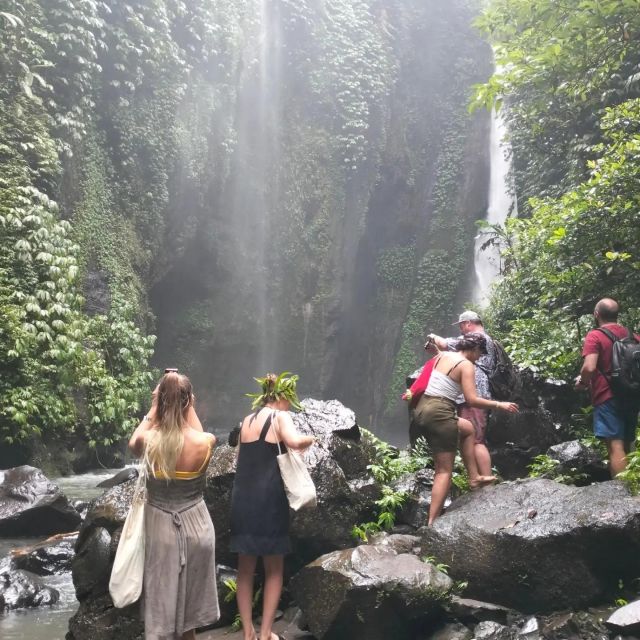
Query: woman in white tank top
[[436, 419]]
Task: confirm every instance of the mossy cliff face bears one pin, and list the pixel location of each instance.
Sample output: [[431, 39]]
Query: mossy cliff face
[[332, 221], [266, 185]]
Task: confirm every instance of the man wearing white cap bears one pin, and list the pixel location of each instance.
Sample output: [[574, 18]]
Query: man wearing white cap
[[470, 322]]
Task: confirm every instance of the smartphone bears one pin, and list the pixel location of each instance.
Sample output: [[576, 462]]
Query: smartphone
[[170, 370]]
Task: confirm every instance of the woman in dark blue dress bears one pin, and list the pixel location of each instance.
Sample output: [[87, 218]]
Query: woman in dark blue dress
[[259, 507]]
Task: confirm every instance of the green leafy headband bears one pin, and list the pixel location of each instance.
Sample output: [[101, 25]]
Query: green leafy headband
[[273, 388]]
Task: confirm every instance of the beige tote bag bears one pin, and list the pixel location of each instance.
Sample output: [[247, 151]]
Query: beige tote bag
[[298, 485], [127, 574]]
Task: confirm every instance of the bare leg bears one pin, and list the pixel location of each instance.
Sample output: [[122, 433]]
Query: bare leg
[[617, 456], [273, 570], [468, 451], [244, 594], [483, 458], [441, 483]]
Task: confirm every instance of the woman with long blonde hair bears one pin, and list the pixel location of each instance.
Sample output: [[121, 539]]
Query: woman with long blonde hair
[[179, 591]]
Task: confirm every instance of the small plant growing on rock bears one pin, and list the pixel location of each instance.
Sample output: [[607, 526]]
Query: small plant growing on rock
[[543, 466]]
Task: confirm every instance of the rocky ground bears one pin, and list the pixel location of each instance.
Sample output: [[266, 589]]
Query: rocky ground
[[523, 560]]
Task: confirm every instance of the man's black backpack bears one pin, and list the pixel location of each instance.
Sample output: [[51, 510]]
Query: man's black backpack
[[625, 364], [503, 377]]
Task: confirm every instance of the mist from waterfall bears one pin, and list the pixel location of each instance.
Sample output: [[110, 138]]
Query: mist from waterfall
[[502, 204], [254, 191]]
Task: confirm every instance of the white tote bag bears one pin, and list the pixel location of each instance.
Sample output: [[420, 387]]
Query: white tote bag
[[298, 485], [127, 574]]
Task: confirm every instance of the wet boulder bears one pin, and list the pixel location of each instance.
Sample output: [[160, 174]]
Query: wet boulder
[[474, 611], [98, 619], [452, 631], [527, 544], [32, 505], [21, 589], [580, 460], [124, 475], [46, 558], [369, 592], [566, 625], [417, 489], [493, 631]]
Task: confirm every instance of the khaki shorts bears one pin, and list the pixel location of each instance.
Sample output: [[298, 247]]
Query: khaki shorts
[[436, 420]]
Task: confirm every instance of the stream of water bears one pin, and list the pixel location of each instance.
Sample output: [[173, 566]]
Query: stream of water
[[49, 623]]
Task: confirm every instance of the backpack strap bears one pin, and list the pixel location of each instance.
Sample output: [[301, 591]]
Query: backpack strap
[[610, 334]]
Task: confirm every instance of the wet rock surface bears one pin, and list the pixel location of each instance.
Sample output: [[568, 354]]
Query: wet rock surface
[[130, 473], [22, 589], [528, 544], [46, 558], [369, 592], [575, 457], [32, 505], [417, 487]]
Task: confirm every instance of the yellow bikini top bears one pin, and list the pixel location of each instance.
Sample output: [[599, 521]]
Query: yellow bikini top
[[188, 475]]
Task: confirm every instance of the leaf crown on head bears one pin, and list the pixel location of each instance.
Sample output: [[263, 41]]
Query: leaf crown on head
[[276, 387]]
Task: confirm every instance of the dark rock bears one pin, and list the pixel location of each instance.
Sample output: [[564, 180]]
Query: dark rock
[[81, 506], [397, 542], [98, 619], [493, 631], [473, 611], [21, 589], [226, 597], [626, 619], [572, 625], [417, 487], [586, 536], [46, 558], [129, 473], [92, 563], [574, 457], [451, 631], [369, 592], [31, 505]]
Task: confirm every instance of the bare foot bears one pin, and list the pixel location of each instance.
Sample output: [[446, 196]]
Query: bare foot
[[482, 481]]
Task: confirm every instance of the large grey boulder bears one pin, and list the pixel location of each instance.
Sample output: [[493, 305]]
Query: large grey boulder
[[369, 592], [537, 545], [21, 589], [32, 505]]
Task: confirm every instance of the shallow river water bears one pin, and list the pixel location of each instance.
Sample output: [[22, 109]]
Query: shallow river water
[[49, 623]]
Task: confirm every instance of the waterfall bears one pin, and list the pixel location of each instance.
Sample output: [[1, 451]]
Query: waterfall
[[255, 187], [502, 203]]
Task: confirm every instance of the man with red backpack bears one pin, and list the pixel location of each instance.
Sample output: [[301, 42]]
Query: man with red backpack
[[611, 371]]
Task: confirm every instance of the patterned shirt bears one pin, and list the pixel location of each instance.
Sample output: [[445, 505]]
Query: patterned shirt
[[485, 361]]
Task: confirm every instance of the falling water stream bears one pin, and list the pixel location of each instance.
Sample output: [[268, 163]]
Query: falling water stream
[[502, 204], [49, 623]]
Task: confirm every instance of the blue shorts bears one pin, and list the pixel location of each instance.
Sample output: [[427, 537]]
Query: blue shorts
[[613, 421]]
